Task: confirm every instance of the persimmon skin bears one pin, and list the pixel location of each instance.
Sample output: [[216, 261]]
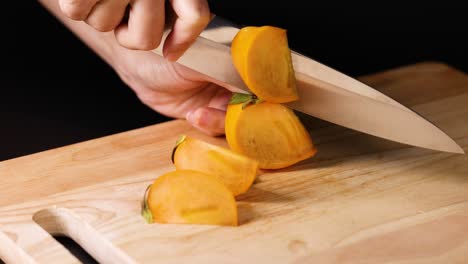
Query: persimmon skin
[[191, 197], [262, 57], [270, 133], [236, 171]]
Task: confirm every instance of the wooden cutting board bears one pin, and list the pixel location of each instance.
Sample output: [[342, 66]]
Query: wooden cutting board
[[360, 200]]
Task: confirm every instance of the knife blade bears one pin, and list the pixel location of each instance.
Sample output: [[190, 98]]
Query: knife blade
[[324, 93]]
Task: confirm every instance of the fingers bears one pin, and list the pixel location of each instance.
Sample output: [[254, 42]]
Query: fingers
[[103, 15], [192, 17], [145, 25], [77, 9], [208, 120], [221, 99], [107, 14]]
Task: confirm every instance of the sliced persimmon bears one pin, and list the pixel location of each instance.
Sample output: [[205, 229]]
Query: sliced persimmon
[[270, 133], [262, 57], [190, 197], [236, 171]]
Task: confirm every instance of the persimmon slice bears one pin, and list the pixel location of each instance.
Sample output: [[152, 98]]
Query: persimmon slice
[[191, 197], [262, 57], [270, 133], [236, 171]]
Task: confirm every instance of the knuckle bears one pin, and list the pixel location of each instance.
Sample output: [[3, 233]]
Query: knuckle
[[145, 43], [101, 26], [73, 9], [197, 14], [197, 19]]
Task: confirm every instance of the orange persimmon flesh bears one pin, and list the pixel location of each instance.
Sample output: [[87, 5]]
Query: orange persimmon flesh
[[236, 171], [262, 57], [270, 133], [191, 197]]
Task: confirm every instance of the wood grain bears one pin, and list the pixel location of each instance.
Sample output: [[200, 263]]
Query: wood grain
[[362, 199]]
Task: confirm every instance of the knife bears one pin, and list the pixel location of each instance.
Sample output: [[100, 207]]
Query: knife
[[324, 93]]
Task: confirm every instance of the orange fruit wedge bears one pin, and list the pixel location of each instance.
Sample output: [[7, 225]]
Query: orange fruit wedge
[[270, 133], [236, 171], [189, 197], [262, 57]]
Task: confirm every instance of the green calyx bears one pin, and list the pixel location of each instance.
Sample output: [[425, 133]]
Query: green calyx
[[145, 211], [178, 142], [244, 99]]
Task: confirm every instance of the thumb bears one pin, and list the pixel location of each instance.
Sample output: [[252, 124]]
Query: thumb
[[208, 120]]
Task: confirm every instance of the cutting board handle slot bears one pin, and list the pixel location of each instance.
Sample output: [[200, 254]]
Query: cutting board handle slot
[[10, 252], [64, 222], [75, 249]]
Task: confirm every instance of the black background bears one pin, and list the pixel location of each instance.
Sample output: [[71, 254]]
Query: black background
[[55, 91]]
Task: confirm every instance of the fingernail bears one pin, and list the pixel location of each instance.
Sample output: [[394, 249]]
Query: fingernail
[[189, 116], [194, 117]]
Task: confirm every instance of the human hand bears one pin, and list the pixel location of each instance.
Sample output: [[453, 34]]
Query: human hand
[[168, 88], [172, 89], [146, 21]]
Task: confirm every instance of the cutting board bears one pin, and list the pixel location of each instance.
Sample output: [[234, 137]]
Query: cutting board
[[361, 199]]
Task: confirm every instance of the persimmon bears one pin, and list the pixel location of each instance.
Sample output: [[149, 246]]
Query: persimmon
[[189, 197], [270, 133], [236, 171], [262, 57]]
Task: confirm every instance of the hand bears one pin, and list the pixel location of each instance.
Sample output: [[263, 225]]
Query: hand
[[166, 87], [146, 21], [172, 89]]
